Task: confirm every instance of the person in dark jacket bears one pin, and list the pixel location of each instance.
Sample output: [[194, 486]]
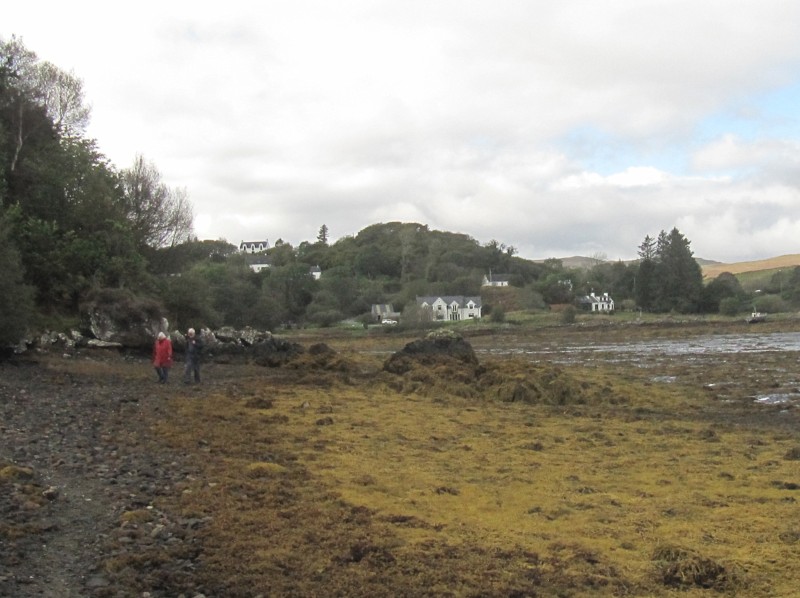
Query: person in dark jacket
[[194, 345], [162, 357]]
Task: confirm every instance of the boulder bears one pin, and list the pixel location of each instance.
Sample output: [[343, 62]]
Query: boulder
[[129, 324]]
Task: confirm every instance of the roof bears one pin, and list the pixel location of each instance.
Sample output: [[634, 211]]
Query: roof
[[450, 299], [497, 277]]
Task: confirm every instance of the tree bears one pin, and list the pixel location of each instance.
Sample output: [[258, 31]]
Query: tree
[[678, 276], [158, 216], [61, 95], [725, 286], [322, 237], [16, 298], [38, 94]]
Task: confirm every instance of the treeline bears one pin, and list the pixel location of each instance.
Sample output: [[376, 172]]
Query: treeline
[[74, 229]]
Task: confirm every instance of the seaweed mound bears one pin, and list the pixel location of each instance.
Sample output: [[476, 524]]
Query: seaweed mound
[[274, 352], [442, 347], [443, 364], [520, 381]]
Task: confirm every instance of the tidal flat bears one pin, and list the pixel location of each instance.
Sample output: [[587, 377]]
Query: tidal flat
[[602, 459]]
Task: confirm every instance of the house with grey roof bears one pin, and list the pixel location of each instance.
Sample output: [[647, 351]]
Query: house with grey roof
[[451, 307]]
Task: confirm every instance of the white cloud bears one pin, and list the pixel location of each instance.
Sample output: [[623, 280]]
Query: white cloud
[[281, 116]]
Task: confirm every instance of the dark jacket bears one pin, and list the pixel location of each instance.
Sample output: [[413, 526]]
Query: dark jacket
[[194, 346]]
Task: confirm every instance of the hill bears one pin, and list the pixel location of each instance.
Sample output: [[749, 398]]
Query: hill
[[711, 268], [714, 269]]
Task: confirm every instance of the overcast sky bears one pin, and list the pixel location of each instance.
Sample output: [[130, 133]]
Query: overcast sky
[[560, 128]]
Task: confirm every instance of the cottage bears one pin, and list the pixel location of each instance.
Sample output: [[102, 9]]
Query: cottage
[[596, 304], [451, 307], [316, 272], [495, 280]]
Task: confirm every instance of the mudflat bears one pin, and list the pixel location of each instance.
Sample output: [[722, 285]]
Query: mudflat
[[606, 458]]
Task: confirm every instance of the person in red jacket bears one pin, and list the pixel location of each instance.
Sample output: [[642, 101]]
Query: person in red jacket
[[162, 357]]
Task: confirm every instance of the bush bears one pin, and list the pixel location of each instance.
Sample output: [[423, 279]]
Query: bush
[[569, 314], [16, 298], [770, 304], [326, 318], [498, 315], [729, 306]]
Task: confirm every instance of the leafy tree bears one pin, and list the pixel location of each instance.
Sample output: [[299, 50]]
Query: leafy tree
[[729, 306], [291, 288], [724, 286], [281, 254], [16, 298], [38, 95], [180, 258], [557, 287], [788, 285], [189, 302], [158, 216]]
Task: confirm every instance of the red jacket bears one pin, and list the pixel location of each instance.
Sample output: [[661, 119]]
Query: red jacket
[[162, 353]]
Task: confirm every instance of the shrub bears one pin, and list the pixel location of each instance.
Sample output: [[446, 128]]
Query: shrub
[[568, 315], [770, 304], [729, 306], [498, 315]]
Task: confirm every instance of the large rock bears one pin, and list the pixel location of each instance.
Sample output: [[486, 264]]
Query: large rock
[[128, 330], [113, 316]]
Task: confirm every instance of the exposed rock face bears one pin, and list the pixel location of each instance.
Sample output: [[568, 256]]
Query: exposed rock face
[[438, 347], [126, 327], [224, 345]]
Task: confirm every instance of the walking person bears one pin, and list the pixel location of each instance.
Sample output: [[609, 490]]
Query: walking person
[[194, 345], [162, 357]]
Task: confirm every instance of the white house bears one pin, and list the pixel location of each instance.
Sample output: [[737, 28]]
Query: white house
[[253, 246], [495, 280], [595, 304], [452, 307], [316, 272]]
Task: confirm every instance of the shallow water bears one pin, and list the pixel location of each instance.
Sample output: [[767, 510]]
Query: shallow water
[[702, 345], [765, 359]]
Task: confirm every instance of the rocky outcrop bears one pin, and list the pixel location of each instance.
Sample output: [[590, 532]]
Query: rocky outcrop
[[116, 316], [230, 345]]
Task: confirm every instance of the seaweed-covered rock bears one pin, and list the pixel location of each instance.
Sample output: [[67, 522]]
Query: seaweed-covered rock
[[274, 352], [437, 348]]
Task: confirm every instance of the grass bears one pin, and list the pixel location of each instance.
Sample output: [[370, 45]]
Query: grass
[[361, 483]]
